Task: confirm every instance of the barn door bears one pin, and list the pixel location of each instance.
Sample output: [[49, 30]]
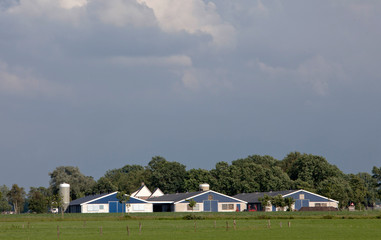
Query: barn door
[[211, 206]]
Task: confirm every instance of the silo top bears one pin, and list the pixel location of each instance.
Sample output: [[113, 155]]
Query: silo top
[[204, 187], [64, 185]]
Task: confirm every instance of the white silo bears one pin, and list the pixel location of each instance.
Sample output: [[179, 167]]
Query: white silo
[[65, 195], [204, 187]]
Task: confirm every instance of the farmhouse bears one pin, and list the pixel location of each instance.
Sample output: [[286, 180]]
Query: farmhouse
[[206, 201], [108, 203], [301, 197]]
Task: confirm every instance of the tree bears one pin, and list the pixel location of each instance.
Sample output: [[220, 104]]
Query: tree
[[377, 176], [168, 176], [265, 201], [370, 185], [336, 188], [128, 177], [278, 201], [38, 199], [37, 202], [4, 204], [289, 201], [195, 177], [288, 161], [80, 185], [192, 203], [313, 169], [17, 197], [123, 199], [358, 190], [104, 185], [224, 178]]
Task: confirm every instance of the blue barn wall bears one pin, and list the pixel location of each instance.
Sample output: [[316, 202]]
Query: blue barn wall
[[217, 197]]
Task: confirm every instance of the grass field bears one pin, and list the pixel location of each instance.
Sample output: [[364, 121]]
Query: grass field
[[338, 225]]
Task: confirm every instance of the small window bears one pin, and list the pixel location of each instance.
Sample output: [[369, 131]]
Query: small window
[[321, 204], [101, 207], [210, 197], [227, 206], [301, 196]]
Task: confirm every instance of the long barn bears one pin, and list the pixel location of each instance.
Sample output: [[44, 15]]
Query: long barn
[[108, 203], [301, 197]]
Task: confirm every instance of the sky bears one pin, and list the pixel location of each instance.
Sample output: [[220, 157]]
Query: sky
[[101, 84]]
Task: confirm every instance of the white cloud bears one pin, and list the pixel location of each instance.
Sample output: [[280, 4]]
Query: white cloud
[[192, 16], [317, 72], [122, 13], [20, 82], [69, 4], [63, 10], [167, 61], [212, 80]]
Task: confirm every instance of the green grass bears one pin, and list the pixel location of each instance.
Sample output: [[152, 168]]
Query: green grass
[[358, 225]]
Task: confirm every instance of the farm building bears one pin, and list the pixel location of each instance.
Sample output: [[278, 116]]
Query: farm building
[[143, 192], [301, 197], [108, 203], [206, 201]]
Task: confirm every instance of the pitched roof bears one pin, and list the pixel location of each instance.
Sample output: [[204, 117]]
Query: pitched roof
[[86, 199], [175, 197], [253, 197]]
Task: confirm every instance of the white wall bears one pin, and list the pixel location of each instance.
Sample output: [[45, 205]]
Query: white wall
[[95, 208], [139, 207]]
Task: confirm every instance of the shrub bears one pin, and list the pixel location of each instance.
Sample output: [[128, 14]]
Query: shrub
[[192, 217]]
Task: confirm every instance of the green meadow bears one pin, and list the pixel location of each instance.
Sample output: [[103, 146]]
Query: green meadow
[[327, 225]]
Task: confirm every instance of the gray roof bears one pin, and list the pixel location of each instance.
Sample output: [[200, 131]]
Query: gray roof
[[175, 197], [86, 199], [253, 197]]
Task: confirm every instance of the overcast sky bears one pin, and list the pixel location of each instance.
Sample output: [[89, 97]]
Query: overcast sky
[[100, 84]]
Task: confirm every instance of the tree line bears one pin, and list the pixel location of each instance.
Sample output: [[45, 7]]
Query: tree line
[[252, 174]]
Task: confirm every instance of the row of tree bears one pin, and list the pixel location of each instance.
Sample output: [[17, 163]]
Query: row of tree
[[252, 174]]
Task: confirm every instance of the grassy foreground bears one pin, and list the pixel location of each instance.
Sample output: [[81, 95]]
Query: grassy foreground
[[213, 226]]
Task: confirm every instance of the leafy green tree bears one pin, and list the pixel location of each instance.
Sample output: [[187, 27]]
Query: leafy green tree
[[288, 202], [37, 198], [54, 201], [336, 188], [195, 177], [359, 191], [16, 196], [104, 185], [313, 170], [377, 176], [278, 201], [288, 161], [4, 204], [128, 177], [192, 203], [80, 185], [370, 185], [259, 173], [224, 178], [37, 202], [168, 176], [265, 201]]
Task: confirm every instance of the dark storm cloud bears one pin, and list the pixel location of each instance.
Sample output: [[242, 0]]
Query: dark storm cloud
[[100, 84]]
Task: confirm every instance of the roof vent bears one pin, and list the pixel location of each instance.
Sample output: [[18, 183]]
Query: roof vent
[[204, 187]]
